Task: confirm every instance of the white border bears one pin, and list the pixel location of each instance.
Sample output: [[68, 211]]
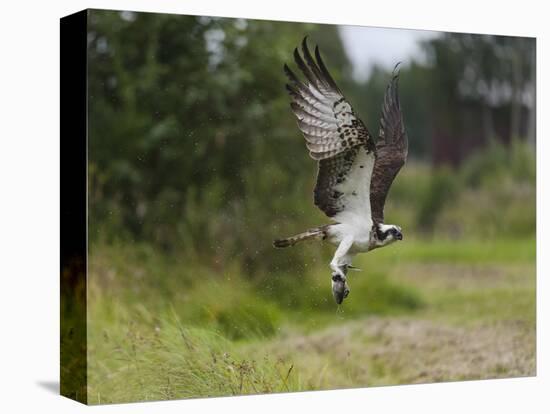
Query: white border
[[29, 218]]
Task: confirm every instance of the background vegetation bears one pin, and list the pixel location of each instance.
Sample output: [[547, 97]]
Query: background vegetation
[[195, 165]]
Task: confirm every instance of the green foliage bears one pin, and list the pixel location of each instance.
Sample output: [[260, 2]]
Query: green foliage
[[199, 131], [498, 163], [491, 195], [497, 197], [442, 190], [190, 136]]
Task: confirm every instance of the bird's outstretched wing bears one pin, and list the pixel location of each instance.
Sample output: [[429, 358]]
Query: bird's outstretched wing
[[391, 149], [335, 137]]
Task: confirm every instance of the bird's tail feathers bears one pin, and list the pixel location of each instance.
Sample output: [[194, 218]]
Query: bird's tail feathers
[[317, 233]]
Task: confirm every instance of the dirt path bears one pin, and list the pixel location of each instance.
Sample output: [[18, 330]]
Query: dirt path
[[386, 351]]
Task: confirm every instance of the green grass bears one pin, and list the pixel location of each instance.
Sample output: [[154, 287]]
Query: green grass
[[420, 311], [167, 361], [501, 251]]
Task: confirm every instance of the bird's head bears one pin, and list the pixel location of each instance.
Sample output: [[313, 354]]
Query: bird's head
[[389, 233]]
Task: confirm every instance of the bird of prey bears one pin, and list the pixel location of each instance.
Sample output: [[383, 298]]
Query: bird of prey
[[355, 172]]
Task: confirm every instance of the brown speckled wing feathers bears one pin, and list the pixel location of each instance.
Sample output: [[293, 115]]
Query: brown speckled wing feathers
[[334, 136], [391, 149]]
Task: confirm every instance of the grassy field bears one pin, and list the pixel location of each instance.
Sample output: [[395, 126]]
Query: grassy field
[[420, 311]]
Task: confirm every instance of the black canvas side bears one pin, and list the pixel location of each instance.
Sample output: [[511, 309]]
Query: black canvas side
[[73, 127]]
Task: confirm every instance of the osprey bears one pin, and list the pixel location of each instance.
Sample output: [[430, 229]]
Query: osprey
[[354, 172]]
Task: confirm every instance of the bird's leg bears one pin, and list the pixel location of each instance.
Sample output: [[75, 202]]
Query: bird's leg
[[340, 260], [339, 266]]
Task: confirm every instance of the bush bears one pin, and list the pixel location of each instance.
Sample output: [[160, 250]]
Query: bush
[[374, 293], [442, 191], [248, 320], [496, 197]]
